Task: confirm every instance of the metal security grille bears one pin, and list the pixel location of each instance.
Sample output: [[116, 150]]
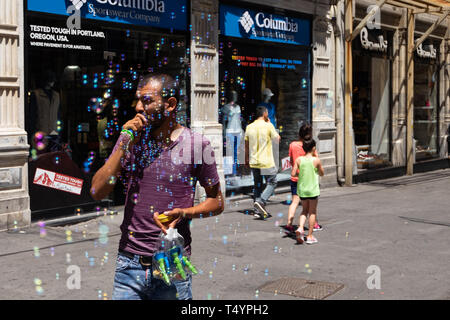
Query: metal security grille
[[302, 288]]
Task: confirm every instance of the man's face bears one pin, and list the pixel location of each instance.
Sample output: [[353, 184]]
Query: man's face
[[151, 102]]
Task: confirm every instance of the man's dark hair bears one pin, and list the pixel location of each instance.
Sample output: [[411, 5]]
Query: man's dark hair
[[305, 130], [260, 110], [170, 87], [308, 143]]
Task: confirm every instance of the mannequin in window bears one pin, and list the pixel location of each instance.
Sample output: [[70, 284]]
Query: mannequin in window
[[45, 104], [266, 96], [106, 137], [233, 128]]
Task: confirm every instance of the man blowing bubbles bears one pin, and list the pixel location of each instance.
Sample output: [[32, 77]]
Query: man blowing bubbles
[[145, 157]]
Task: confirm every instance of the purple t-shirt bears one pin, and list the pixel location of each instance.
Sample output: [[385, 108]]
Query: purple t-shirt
[[167, 183]]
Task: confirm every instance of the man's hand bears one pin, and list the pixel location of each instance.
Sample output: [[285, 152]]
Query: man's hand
[[136, 125], [174, 215]]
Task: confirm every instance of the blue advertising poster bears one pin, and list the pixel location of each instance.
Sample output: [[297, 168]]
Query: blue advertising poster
[[259, 25], [167, 14]]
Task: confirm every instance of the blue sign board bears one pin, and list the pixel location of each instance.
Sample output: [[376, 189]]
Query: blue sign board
[[259, 25], [167, 14]]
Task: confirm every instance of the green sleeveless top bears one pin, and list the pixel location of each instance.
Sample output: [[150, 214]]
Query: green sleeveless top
[[308, 179]]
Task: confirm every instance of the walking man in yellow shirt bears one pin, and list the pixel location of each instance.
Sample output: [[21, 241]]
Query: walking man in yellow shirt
[[259, 155]]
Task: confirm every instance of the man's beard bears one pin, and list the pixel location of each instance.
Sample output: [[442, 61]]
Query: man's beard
[[155, 121]]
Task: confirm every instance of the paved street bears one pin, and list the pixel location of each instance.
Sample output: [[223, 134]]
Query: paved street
[[401, 225]]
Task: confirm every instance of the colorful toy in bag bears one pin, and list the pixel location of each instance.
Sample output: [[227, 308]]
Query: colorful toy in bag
[[170, 261]]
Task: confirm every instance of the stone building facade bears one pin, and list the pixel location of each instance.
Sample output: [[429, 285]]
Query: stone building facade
[[204, 42], [14, 198]]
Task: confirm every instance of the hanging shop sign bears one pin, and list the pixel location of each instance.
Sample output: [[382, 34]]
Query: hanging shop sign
[[167, 14], [380, 45], [431, 54], [258, 25]]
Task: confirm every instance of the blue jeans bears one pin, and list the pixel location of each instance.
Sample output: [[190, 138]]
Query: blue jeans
[[271, 183], [132, 281]]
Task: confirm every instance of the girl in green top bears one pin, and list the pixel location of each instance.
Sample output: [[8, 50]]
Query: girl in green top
[[309, 168]]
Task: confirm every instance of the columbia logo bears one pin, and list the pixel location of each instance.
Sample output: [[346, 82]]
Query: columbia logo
[[78, 3], [246, 21]]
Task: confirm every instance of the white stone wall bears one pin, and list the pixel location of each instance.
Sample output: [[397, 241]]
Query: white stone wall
[[14, 198], [205, 79]]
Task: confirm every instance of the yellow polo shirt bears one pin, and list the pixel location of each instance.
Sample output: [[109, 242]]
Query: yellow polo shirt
[[259, 135]]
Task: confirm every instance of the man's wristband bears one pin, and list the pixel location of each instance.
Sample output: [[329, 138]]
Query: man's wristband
[[128, 133]]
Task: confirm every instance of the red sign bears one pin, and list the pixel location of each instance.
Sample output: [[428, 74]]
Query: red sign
[[286, 164], [58, 181]]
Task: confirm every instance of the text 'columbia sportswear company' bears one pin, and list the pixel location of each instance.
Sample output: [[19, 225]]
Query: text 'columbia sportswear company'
[[157, 13], [249, 24]]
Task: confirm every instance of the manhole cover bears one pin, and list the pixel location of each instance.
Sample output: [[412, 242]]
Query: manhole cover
[[309, 289]]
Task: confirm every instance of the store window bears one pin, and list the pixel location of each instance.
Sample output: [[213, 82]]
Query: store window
[[426, 79], [81, 88], [261, 66], [371, 103]]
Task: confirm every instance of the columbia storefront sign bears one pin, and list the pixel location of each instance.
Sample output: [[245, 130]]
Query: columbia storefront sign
[[170, 14], [242, 23]]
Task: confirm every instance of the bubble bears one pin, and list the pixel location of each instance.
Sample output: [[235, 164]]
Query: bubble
[[37, 281], [39, 290], [103, 229], [57, 276], [56, 160], [36, 252], [210, 274], [112, 180], [280, 215], [33, 154], [68, 257], [275, 249], [266, 272], [289, 199], [91, 261], [329, 103], [233, 267], [307, 265], [134, 198], [52, 251], [145, 45], [225, 239], [256, 294], [40, 146], [309, 271], [78, 211]]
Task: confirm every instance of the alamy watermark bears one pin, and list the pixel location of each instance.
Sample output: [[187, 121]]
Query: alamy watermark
[[74, 19], [374, 280], [375, 21], [74, 280]]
